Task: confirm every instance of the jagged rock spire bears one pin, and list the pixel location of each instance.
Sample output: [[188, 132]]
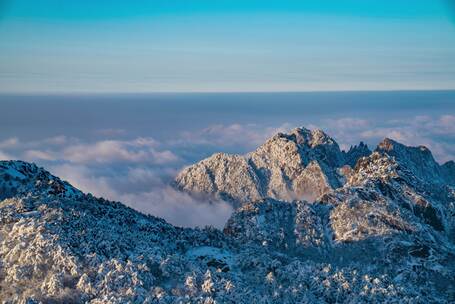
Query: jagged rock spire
[[355, 153]]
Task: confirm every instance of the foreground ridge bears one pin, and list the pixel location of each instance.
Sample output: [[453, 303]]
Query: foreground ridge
[[314, 225]]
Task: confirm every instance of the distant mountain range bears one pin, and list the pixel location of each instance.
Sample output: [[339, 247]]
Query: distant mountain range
[[313, 224]]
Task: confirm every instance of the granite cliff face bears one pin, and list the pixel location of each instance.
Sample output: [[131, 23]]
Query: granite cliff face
[[382, 230], [303, 164]]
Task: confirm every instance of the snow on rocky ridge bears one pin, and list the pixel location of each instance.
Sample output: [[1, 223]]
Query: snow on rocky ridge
[[313, 225], [303, 164]]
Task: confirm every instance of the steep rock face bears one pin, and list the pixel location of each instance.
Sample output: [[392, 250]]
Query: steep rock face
[[304, 165], [299, 165], [229, 176], [395, 180]]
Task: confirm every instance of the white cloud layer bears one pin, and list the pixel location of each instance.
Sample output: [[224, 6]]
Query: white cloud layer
[[9, 143], [144, 190], [107, 151], [138, 171]]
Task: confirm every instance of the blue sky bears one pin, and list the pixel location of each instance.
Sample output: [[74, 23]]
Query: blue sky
[[52, 46]]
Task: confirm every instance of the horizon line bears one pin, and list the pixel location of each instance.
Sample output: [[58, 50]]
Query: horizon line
[[105, 93]]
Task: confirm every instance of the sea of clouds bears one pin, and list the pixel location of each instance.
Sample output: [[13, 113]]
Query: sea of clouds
[[139, 171]]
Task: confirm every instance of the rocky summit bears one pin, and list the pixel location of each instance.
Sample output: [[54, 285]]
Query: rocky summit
[[303, 164], [313, 224]]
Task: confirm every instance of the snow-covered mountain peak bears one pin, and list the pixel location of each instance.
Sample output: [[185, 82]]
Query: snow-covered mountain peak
[[311, 138], [305, 138], [301, 164]]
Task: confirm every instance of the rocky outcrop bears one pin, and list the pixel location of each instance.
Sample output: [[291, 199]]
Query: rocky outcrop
[[299, 165], [302, 165], [355, 153], [231, 177], [418, 160]]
